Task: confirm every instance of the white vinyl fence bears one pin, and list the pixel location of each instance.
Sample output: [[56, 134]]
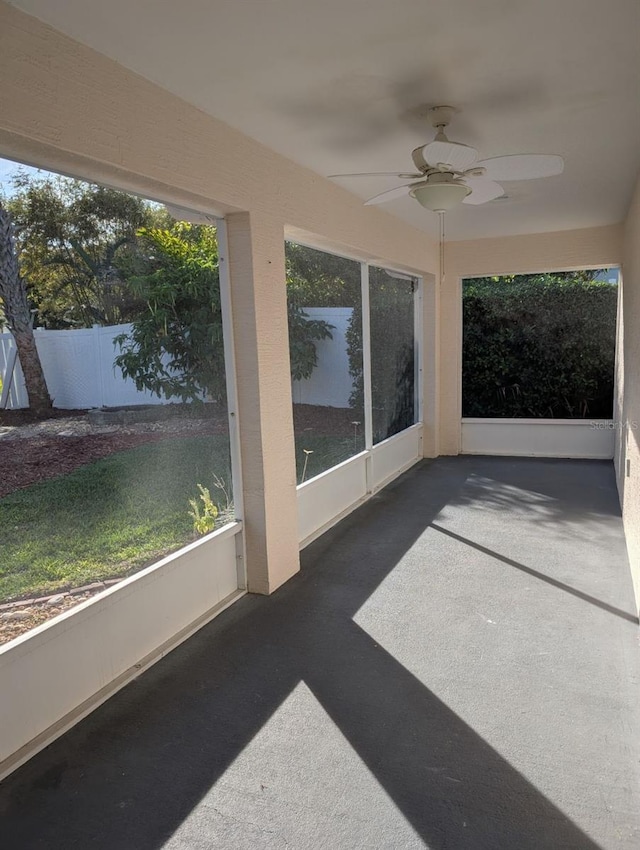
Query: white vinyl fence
[[330, 383], [78, 367], [80, 373]]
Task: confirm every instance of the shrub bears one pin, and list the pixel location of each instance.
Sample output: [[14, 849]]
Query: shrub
[[176, 347], [303, 334], [539, 346]]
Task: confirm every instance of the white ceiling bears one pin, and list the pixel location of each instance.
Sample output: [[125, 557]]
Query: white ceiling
[[342, 86]]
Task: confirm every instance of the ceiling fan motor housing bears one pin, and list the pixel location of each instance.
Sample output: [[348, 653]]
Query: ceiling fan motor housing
[[440, 116]]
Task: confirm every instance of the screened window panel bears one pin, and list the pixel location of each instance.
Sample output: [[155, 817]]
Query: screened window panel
[[136, 464], [540, 345], [324, 303], [393, 353]]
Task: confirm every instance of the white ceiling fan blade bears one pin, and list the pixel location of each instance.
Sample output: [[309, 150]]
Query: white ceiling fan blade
[[418, 159], [522, 166], [482, 190], [459, 157], [401, 175], [383, 197]]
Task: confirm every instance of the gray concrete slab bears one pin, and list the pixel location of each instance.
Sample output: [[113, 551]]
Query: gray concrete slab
[[455, 668]]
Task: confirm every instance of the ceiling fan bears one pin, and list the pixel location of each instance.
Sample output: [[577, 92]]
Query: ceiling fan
[[449, 173]]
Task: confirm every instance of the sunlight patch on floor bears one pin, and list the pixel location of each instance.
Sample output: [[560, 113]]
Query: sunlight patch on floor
[[268, 797], [515, 656]]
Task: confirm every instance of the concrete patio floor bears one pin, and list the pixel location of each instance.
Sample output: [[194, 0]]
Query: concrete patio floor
[[456, 667]]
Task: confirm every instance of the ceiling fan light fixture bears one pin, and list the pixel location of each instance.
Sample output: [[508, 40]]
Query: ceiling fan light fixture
[[440, 197]]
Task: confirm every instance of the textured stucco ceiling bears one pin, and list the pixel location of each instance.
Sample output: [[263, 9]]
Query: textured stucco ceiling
[[343, 85]]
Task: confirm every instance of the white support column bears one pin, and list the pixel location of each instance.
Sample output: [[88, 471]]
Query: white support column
[[366, 372], [418, 354], [232, 396], [366, 356], [430, 359], [265, 414]]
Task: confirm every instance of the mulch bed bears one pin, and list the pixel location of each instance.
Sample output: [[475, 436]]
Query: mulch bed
[[20, 616], [26, 461], [24, 416], [333, 421]]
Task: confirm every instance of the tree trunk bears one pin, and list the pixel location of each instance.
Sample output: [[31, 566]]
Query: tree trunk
[[16, 308]]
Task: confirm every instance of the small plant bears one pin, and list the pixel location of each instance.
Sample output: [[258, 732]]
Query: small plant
[[220, 484], [355, 435], [205, 521], [307, 452]]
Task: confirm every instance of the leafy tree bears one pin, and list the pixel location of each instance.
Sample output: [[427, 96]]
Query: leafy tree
[[539, 346], [18, 316], [175, 348], [96, 255], [78, 246], [318, 279]]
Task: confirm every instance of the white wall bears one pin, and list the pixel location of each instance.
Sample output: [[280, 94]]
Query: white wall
[[71, 109], [575, 438], [627, 411]]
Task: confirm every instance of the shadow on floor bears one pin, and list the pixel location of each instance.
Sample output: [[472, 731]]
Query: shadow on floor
[[561, 585], [131, 773]]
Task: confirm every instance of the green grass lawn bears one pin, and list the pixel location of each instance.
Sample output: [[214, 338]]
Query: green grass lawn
[[107, 518], [326, 451], [114, 516]]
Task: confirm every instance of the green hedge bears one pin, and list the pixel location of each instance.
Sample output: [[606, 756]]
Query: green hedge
[[539, 346]]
